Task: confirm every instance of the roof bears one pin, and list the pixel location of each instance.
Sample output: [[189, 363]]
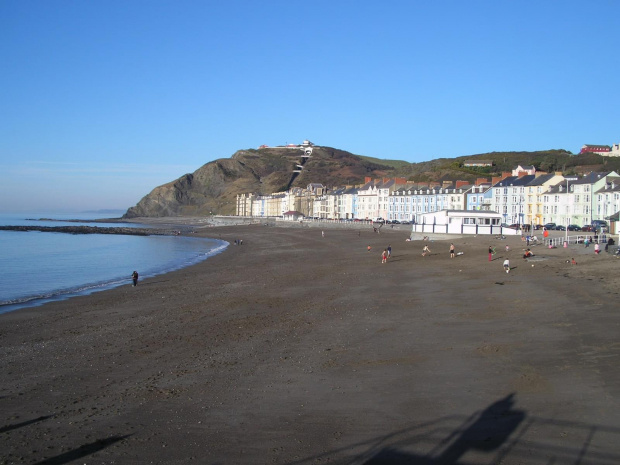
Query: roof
[[540, 180], [614, 217], [515, 181], [480, 213], [591, 177]]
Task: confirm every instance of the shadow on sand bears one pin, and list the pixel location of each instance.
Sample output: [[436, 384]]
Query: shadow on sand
[[494, 435], [82, 451], [6, 428]]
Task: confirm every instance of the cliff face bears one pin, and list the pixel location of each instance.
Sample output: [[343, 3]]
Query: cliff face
[[212, 189]]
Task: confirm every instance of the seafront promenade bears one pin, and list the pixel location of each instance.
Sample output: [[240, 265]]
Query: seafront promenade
[[302, 348]]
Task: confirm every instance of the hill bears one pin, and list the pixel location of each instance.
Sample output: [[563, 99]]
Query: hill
[[212, 188]]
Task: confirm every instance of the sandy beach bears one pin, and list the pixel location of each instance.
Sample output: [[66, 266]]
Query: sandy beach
[[295, 348]]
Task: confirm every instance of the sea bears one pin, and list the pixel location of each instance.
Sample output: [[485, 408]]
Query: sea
[[39, 267]]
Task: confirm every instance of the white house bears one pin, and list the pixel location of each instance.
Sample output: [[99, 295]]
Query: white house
[[461, 222]]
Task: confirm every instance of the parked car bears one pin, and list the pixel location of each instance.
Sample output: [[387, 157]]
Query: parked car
[[514, 226], [559, 227], [574, 227], [587, 228], [538, 226], [549, 226], [405, 222], [599, 224]]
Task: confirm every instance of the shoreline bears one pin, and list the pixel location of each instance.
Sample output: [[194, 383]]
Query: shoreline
[[91, 230], [103, 282], [294, 348]]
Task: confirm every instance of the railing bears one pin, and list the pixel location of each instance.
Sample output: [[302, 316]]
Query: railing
[[576, 239], [457, 228]]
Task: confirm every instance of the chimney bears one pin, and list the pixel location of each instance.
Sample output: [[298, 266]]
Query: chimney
[[481, 181], [460, 184], [506, 174], [367, 179], [521, 174], [400, 180], [496, 179]]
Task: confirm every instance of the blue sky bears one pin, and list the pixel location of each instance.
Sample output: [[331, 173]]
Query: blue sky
[[104, 100]]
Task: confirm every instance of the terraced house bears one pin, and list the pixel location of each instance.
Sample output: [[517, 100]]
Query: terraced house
[[409, 202], [581, 200], [522, 199]]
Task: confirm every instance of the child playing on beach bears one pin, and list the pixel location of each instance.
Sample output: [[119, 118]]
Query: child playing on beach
[[384, 256], [425, 251], [507, 266], [134, 277]]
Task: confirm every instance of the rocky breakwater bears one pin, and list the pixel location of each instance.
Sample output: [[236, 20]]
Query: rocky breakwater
[[94, 230]]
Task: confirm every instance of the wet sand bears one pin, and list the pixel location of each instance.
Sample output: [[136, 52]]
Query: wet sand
[[298, 348]]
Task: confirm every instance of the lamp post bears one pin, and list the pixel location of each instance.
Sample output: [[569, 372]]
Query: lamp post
[[567, 212]]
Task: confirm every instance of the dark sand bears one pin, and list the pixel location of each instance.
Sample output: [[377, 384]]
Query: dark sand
[[294, 348]]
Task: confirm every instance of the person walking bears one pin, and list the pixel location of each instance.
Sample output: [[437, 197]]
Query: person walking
[[597, 248], [134, 277], [389, 251], [452, 251], [384, 256], [490, 253], [507, 266]]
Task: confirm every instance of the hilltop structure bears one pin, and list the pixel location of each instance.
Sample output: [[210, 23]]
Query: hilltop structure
[[605, 150]]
